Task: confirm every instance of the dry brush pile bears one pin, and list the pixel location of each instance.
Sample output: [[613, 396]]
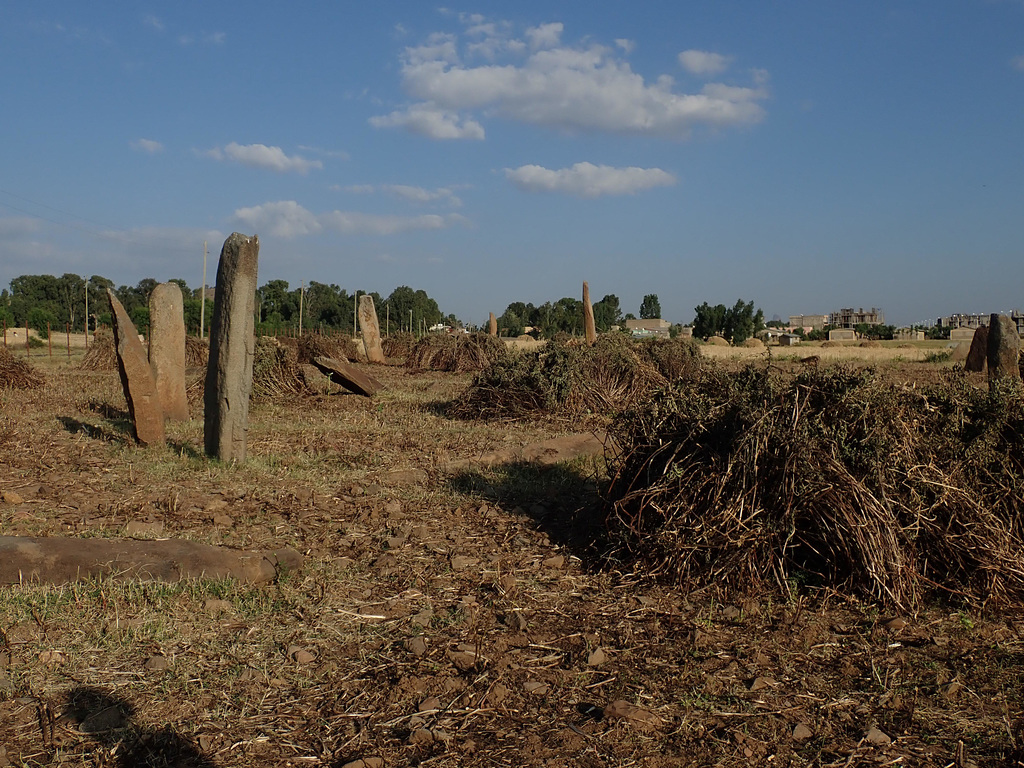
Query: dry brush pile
[[17, 374], [835, 477], [573, 380], [456, 352], [314, 345]]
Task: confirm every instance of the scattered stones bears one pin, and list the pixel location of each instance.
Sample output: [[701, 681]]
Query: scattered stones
[[300, 655], [167, 349], [232, 350], [1003, 349], [370, 328], [136, 377], [978, 354], [348, 376], [590, 330]]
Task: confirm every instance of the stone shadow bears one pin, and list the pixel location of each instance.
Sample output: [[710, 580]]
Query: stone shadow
[[116, 433], [107, 719]]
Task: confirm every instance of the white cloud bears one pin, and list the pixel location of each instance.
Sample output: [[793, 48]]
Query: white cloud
[[589, 180], [286, 218], [1017, 62], [18, 226], [625, 44], [262, 156], [412, 194], [154, 22], [432, 122], [704, 62], [335, 154], [147, 145], [573, 88]]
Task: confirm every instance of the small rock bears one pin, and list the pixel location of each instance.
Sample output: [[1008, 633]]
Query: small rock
[[623, 710], [536, 687], [430, 704], [206, 742], [596, 658], [11, 497], [875, 736], [365, 762], [396, 542], [896, 624], [731, 612], [216, 606], [223, 521], [421, 737], [393, 507], [143, 528], [300, 655], [497, 694], [462, 660], [507, 583], [762, 682], [157, 663], [417, 646], [801, 732], [215, 507], [52, 657], [557, 561], [343, 563], [461, 562]]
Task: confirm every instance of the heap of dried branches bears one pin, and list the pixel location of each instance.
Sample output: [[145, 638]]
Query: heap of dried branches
[[456, 352], [398, 344], [101, 355], [571, 380], [835, 477], [314, 345], [16, 373], [197, 352]]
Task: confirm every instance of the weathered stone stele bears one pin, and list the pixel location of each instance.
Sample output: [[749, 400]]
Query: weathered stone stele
[[1003, 349], [232, 349], [978, 353], [167, 349], [370, 329], [492, 325], [588, 316], [136, 377], [347, 376]]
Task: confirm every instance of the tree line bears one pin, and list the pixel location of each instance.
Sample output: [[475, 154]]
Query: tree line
[[40, 301]]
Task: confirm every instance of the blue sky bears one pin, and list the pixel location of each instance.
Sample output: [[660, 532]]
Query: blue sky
[[804, 155]]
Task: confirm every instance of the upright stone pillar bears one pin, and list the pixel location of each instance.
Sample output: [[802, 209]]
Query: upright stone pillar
[[978, 354], [136, 377], [492, 326], [371, 329], [1003, 349], [588, 316], [167, 349], [232, 348]]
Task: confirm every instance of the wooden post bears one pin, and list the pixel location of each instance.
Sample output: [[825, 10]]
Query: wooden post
[[49, 340], [202, 305], [302, 294], [67, 327], [387, 314], [355, 315], [87, 315]]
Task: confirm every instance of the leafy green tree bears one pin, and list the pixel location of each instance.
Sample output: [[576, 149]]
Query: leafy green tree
[[42, 320], [607, 313], [709, 320], [742, 322], [650, 307]]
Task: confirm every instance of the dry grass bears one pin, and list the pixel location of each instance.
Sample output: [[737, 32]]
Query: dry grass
[[455, 352]]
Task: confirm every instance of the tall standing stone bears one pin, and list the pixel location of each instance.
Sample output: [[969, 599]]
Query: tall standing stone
[[371, 329], [1003, 349], [136, 377], [492, 325], [167, 349], [588, 316], [232, 349], [978, 353]]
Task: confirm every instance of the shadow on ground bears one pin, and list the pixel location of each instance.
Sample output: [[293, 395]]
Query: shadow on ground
[[107, 719], [563, 501]]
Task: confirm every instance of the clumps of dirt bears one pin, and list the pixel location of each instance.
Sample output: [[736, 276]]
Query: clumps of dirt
[[573, 381], [101, 355], [17, 374], [456, 352], [834, 477], [314, 345], [398, 345]]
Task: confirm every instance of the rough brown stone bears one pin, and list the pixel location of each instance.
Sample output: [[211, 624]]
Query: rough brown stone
[[347, 376], [136, 377], [232, 349], [978, 353], [1003, 349], [492, 325], [167, 349], [588, 316], [370, 329], [58, 560]]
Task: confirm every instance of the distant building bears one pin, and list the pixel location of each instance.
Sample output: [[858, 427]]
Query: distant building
[[655, 328], [963, 320], [851, 318], [813, 322], [842, 334], [908, 334], [788, 339]]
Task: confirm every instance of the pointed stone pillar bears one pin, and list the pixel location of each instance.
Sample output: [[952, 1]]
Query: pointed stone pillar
[[167, 349], [370, 329], [1003, 349], [978, 354], [588, 316], [136, 377], [232, 348], [492, 325]]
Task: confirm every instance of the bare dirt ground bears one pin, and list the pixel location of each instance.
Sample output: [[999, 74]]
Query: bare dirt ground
[[442, 617]]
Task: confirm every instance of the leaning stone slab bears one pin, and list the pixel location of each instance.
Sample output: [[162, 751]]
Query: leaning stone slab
[[1003, 348], [58, 560], [232, 349], [588, 316], [370, 329], [136, 377], [348, 376], [167, 349], [492, 325], [978, 353]]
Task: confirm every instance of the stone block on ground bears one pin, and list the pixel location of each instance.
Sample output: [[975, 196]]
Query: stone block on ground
[[167, 349], [348, 376], [136, 377]]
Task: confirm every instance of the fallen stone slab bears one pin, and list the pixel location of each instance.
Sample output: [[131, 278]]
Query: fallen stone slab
[[59, 560], [544, 453], [348, 376]]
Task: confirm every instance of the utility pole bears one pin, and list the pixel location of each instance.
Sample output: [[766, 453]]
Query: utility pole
[[355, 316], [202, 300], [86, 314], [302, 294], [387, 314]]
